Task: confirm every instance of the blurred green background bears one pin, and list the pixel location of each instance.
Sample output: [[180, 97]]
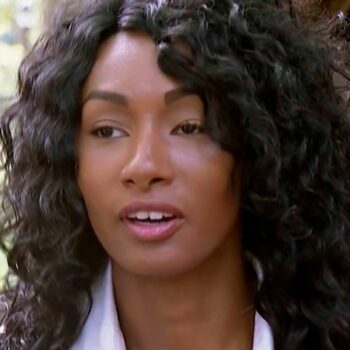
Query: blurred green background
[[20, 25]]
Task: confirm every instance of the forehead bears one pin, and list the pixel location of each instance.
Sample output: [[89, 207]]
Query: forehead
[[127, 62]]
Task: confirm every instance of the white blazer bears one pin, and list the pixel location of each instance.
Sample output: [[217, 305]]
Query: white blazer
[[102, 330]]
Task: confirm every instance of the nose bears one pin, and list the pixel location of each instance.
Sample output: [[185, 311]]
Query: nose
[[148, 161]]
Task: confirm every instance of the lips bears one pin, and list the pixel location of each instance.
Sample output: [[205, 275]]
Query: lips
[[151, 221], [160, 207]]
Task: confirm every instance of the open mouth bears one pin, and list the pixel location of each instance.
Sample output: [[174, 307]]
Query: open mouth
[[150, 221], [152, 217], [153, 229]]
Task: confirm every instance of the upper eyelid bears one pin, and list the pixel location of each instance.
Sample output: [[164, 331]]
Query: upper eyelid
[[93, 115], [109, 123], [191, 114], [191, 121], [106, 121]]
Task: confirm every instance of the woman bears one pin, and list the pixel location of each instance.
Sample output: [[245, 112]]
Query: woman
[[176, 177]]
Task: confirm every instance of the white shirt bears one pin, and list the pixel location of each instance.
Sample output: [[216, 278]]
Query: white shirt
[[102, 330]]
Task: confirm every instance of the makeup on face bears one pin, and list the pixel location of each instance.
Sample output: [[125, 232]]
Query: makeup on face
[[157, 189]]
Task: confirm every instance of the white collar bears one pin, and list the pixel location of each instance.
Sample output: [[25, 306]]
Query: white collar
[[102, 330]]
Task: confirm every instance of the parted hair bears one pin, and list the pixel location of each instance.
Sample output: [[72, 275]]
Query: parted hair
[[267, 83]]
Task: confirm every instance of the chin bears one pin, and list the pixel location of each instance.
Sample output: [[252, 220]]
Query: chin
[[168, 266]]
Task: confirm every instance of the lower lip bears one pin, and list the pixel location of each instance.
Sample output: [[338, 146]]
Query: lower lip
[[151, 232]]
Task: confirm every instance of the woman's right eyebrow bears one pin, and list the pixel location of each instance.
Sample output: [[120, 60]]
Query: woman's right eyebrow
[[110, 96]]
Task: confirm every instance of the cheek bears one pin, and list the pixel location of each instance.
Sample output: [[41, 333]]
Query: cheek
[[209, 171], [96, 177], [97, 167], [212, 187]]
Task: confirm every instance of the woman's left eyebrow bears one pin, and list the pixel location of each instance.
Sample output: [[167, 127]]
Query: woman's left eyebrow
[[115, 97], [176, 94]]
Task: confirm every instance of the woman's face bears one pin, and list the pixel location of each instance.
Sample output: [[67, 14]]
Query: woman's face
[[157, 189]]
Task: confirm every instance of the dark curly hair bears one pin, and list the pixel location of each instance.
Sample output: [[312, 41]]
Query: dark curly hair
[[267, 83]]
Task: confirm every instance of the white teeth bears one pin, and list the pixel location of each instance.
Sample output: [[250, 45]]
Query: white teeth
[[142, 215], [153, 215]]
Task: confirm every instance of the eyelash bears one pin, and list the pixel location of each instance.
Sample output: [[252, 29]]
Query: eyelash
[[194, 125], [100, 132]]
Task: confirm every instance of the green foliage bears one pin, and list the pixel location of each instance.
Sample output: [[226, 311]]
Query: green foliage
[[3, 266], [7, 10], [10, 58], [11, 54], [12, 49]]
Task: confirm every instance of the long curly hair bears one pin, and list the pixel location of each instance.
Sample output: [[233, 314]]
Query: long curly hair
[[267, 83]]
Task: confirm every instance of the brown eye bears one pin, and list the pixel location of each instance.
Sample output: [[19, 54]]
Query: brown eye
[[109, 132], [189, 128]]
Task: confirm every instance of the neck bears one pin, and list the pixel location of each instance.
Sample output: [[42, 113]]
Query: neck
[[207, 308]]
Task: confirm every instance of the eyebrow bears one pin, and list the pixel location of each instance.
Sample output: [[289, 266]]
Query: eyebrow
[[119, 99]]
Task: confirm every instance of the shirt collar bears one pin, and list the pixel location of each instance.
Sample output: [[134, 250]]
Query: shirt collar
[[102, 330]]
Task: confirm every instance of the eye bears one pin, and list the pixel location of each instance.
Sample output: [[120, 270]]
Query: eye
[[189, 127], [108, 132]]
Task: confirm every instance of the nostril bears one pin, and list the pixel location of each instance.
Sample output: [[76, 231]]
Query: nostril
[[144, 182], [144, 174], [156, 180]]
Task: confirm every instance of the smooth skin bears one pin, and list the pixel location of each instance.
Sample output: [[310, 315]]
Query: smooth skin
[[141, 139]]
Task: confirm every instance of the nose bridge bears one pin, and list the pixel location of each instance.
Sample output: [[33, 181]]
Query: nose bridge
[[146, 147], [148, 157]]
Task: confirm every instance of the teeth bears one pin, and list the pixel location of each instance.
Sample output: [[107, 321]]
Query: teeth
[[153, 215], [142, 215]]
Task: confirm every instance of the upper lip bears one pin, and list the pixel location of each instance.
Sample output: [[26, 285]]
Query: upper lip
[[148, 206]]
